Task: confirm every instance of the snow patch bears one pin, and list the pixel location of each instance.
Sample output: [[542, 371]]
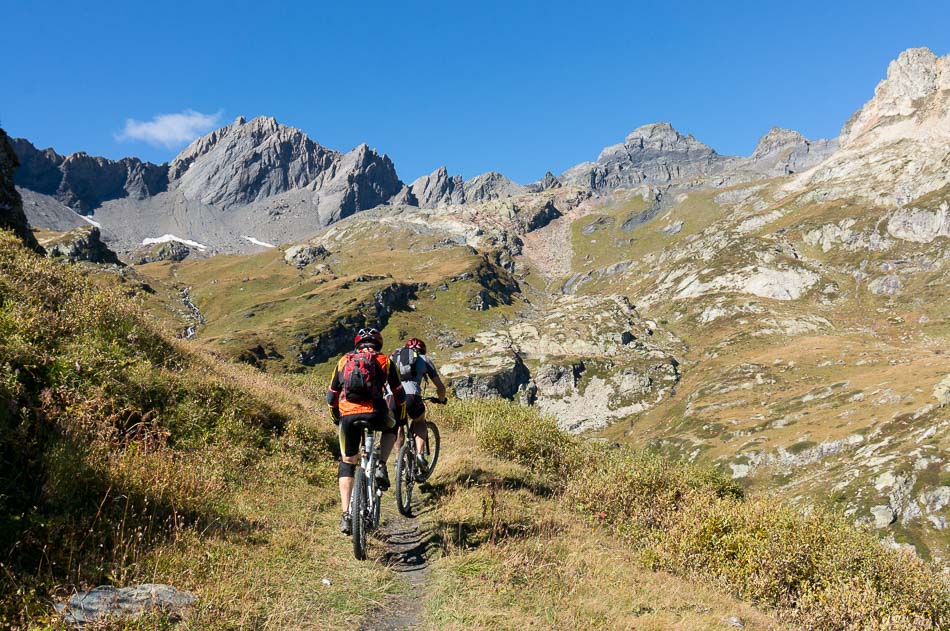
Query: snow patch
[[258, 242], [165, 238], [88, 220]]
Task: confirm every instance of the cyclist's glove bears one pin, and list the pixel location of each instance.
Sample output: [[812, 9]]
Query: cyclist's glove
[[444, 400], [335, 415]]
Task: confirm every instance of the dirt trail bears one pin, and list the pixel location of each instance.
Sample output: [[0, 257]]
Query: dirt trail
[[406, 554]]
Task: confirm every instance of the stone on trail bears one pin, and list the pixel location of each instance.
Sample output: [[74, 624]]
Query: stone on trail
[[107, 601]]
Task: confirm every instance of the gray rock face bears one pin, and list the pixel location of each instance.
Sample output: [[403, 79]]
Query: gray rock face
[[11, 205], [82, 244], [548, 182], [491, 185], [300, 256], [85, 182], [249, 161], [246, 162], [493, 376], [247, 176], [653, 154], [169, 251], [783, 151], [438, 188], [107, 601]]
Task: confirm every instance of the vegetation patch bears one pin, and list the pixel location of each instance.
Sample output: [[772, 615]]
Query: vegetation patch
[[815, 568]]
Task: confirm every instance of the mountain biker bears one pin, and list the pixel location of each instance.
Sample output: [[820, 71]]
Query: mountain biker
[[356, 394], [413, 367]]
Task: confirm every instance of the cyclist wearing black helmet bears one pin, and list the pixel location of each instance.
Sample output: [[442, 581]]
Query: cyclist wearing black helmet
[[413, 368], [356, 393]]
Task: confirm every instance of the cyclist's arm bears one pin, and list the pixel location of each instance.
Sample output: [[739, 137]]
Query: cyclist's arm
[[433, 375], [395, 384], [333, 393]]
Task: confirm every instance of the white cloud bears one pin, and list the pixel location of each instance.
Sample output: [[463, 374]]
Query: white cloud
[[169, 130]]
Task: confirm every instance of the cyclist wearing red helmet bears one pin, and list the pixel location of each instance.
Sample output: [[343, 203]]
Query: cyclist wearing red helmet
[[413, 367], [356, 393]]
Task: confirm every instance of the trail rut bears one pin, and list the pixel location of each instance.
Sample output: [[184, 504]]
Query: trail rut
[[406, 554]]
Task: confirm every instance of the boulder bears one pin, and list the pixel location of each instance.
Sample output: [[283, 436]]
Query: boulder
[[107, 602], [300, 256], [81, 244]]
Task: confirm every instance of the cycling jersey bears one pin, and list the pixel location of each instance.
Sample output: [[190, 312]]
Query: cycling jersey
[[424, 369]]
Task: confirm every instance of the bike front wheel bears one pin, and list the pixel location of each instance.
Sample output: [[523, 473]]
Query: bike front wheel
[[358, 513], [433, 444], [405, 471]]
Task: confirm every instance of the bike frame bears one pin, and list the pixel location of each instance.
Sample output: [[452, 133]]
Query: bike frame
[[368, 459]]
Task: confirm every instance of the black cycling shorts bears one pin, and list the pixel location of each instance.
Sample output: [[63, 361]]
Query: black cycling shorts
[[415, 406], [351, 434]]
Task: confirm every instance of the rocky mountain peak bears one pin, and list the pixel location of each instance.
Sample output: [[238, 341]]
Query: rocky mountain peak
[[654, 153], [491, 185], [893, 150], [917, 74], [438, 188], [248, 161], [776, 139], [785, 151], [661, 136]]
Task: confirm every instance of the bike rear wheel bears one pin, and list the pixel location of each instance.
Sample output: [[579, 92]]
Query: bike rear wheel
[[358, 514], [405, 471], [433, 444]]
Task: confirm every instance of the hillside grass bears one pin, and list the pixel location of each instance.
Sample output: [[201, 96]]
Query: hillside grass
[[508, 553], [813, 569], [126, 457]]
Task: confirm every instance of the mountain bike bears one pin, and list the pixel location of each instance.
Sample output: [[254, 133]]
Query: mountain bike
[[365, 500], [409, 471]]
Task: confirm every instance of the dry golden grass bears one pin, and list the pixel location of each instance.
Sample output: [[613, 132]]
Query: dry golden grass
[[518, 557]]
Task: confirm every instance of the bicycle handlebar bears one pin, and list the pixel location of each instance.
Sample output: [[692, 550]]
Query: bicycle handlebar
[[435, 400]]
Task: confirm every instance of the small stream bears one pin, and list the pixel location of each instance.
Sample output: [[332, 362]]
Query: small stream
[[196, 318]]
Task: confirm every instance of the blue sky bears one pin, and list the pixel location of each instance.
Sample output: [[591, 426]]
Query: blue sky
[[519, 87]]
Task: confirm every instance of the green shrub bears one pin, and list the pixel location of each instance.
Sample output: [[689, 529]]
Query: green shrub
[[820, 571]]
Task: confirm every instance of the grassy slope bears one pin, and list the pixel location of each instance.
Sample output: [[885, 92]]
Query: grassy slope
[[261, 300], [514, 556], [150, 462], [744, 391], [544, 568], [127, 457]]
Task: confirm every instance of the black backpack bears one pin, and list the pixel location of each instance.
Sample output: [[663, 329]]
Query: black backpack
[[405, 360], [363, 378]]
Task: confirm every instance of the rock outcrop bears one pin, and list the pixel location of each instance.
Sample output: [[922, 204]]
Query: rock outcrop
[[109, 603], [82, 244], [438, 188], [300, 256], [11, 206], [892, 150], [652, 154], [491, 185], [783, 152], [85, 182]]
